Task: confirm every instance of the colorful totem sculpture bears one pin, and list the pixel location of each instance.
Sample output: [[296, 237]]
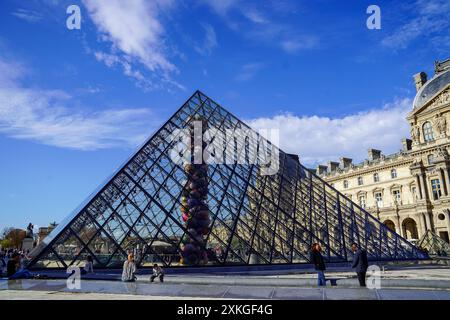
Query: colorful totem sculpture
[[195, 211]]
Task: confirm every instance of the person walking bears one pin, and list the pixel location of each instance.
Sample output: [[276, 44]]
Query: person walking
[[158, 272], [129, 269], [3, 263], [360, 263], [88, 266], [319, 263], [13, 265], [14, 270]]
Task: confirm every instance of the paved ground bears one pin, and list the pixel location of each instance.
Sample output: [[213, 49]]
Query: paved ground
[[409, 282], [54, 295], [99, 289]]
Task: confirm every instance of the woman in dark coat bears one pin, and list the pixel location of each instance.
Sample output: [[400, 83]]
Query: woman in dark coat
[[319, 263]]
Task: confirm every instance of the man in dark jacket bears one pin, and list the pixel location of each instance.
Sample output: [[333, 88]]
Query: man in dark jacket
[[319, 263], [13, 264], [360, 264]]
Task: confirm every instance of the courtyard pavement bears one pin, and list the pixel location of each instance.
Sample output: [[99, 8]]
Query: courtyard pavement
[[408, 283], [107, 290]]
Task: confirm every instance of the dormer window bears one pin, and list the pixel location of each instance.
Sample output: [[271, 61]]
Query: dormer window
[[427, 132]]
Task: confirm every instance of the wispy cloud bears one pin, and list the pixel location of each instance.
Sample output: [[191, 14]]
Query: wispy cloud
[[222, 7], [210, 41], [255, 16], [430, 17], [50, 117], [265, 26], [299, 43], [248, 71], [10, 73], [319, 139], [137, 37], [27, 15]]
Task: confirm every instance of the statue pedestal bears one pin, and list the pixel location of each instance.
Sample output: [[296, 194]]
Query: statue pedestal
[[27, 244]]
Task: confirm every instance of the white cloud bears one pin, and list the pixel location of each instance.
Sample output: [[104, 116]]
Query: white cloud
[[255, 16], [210, 41], [249, 71], [222, 7], [137, 36], [49, 117], [27, 15], [429, 17], [265, 26], [10, 72], [297, 44], [319, 139]]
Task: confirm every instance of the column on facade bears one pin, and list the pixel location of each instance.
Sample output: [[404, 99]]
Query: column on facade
[[427, 219], [442, 180], [398, 226], [447, 218], [423, 186], [447, 179], [423, 223], [418, 186]]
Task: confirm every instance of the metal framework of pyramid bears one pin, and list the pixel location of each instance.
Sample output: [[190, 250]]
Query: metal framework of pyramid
[[252, 218]]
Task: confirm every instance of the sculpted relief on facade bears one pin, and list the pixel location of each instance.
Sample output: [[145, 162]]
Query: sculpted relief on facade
[[441, 99], [440, 124], [415, 133]]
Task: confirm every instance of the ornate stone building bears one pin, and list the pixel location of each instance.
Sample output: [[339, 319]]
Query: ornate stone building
[[409, 191]]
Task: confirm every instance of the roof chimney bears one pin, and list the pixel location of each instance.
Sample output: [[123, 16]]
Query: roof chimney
[[321, 170], [374, 154], [345, 162], [295, 157], [406, 144], [420, 79], [332, 166]]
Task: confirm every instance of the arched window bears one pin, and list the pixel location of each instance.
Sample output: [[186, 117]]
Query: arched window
[[376, 177], [360, 181], [345, 184], [410, 228], [393, 173], [397, 196], [379, 199], [427, 131], [362, 201], [390, 224]]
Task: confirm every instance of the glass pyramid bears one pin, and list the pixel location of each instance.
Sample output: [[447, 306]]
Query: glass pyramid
[[231, 213], [433, 244]]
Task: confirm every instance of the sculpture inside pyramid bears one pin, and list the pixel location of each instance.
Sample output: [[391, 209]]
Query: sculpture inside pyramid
[[230, 212], [193, 204]]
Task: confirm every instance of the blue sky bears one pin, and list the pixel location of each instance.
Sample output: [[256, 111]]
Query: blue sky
[[74, 104]]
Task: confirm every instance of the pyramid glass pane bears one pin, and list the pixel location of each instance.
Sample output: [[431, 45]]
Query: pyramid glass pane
[[228, 211]]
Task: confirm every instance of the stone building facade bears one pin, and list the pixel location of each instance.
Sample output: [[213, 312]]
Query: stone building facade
[[408, 191]]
